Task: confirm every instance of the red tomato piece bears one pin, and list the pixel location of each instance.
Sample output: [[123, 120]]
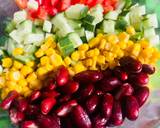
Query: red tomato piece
[[75, 2], [52, 11], [22, 4], [54, 2], [40, 2], [107, 9], [42, 13], [64, 4]]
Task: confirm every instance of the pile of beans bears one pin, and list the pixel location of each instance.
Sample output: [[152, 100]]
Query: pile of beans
[[91, 99]]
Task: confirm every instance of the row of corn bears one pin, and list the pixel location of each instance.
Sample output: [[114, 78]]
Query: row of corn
[[101, 52]]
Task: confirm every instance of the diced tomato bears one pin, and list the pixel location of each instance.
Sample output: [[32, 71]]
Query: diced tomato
[[22, 4], [63, 5], [94, 2], [52, 11], [47, 3], [107, 8], [75, 1], [42, 13], [54, 2], [40, 2]]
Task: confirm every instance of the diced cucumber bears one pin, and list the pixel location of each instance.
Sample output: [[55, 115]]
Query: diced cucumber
[[38, 22], [112, 15], [97, 12], [80, 32], [154, 40], [67, 50], [88, 26], [10, 26], [99, 31], [108, 26], [60, 22], [89, 19], [75, 24], [30, 49], [77, 11], [20, 16], [32, 4], [151, 21], [38, 30], [83, 38], [64, 42], [121, 4], [149, 32], [24, 58], [137, 36], [121, 24], [3, 40], [24, 28], [10, 46], [50, 34], [36, 39], [75, 39], [14, 35], [89, 35], [139, 10], [47, 26]]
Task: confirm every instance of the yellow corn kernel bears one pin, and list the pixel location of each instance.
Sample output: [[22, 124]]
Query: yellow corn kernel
[[104, 66], [4, 93], [49, 41], [112, 38], [22, 82], [25, 70], [31, 64], [136, 49], [44, 60], [108, 46], [27, 93], [2, 81], [12, 69], [36, 84], [44, 47], [109, 56], [14, 75], [50, 51], [83, 47], [115, 49], [71, 71], [129, 45], [39, 53], [94, 42], [101, 59], [122, 45], [82, 55], [67, 61], [90, 53], [17, 64], [123, 36], [102, 44], [94, 60], [7, 62], [31, 77], [130, 30], [41, 71], [79, 67], [18, 51], [100, 35], [75, 56], [56, 60], [144, 43], [53, 45], [49, 67], [88, 62], [120, 54], [147, 52], [96, 52], [113, 64], [141, 59]]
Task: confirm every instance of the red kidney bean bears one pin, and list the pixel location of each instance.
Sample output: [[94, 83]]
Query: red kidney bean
[[64, 99], [29, 124], [130, 65], [35, 95], [122, 75], [80, 117], [125, 90], [47, 104], [132, 108], [149, 69], [51, 85], [62, 76], [46, 121], [51, 94], [67, 123], [56, 118], [107, 73], [108, 84], [88, 76], [70, 88], [21, 104], [99, 122], [66, 108], [140, 79], [6, 103], [107, 105], [142, 95], [87, 91], [116, 118], [92, 103], [16, 116]]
